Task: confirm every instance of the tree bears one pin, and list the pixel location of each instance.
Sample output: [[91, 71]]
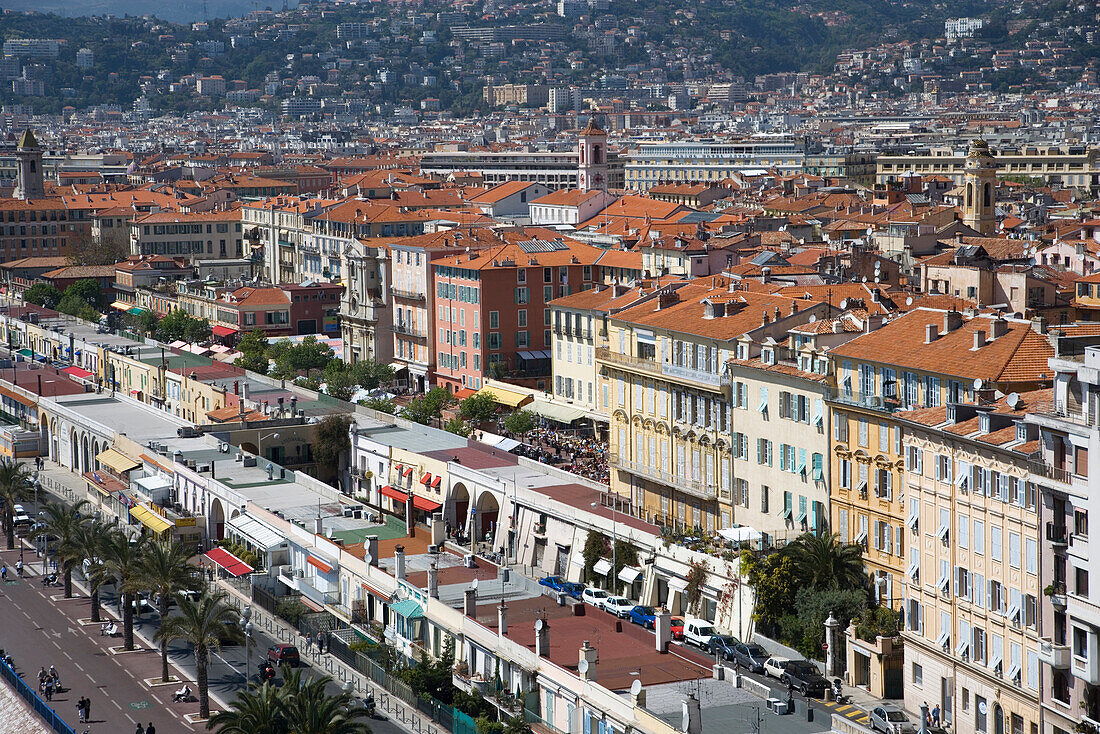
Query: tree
[[333, 439], [42, 294], [105, 249], [696, 577], [256, 710], [382, 405], [773, 579], [458, 427], [91, 540], [478, 408], [825, 562], [164, 571], [15, 486], [197, 330], [203, 624], [61, 526], [308, 708], [292, 359], [519, 422], [179, 325], [86, 291], [428, 407], [596, 546], [253, 348], [122, 559]]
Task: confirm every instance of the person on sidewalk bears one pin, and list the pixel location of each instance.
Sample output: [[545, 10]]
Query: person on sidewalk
[[150, 729], [140, 729], [87, 709]]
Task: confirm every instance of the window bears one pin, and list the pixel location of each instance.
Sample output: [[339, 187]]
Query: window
[[863, 432], [522, 295], [918, 674], [979, 708], [494, 319], [995, 543], [1081, 582]]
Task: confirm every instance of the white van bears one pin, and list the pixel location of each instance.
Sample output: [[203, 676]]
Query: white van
[[698, 632]]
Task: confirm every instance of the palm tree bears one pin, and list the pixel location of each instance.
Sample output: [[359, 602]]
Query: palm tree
[[164, 570], [256, 710], [309, 709], [826, 562], [203, 624], [63, 524], [15, 485], [91, 539], [121, 559]]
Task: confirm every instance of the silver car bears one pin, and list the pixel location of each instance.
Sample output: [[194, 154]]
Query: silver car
[[890, 720]]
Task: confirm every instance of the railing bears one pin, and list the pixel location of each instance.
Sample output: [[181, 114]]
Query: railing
[[626, 360], [870, 402], [664, 369], [1050, 471], [691, 486], [1064, 412], [408, 295], [40, 707], [1057, 534], [710, 379], [409, 330]]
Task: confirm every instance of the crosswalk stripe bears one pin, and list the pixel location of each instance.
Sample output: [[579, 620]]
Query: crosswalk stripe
[[830, 704], [844, 708], [863, 719]]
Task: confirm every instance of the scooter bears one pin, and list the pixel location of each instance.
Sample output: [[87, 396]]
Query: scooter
[[838, 692], [49, 580], [182, 695], [369, 705]]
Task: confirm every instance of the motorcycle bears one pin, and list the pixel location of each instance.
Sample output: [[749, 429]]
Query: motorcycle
[[49, 580], [182, 695], [838, 692]]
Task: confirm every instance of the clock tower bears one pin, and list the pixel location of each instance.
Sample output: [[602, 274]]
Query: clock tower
[[592, 166]]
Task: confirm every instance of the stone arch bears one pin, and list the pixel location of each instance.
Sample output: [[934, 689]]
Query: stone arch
[[234, 513], [459, 502], [488, 509], [74, 454], [215, 520], [987, 194], [95, 453], [969, 194], [84, 449]]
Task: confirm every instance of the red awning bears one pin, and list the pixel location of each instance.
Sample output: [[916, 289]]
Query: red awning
[[464, 392], [425, 504], [394, 494], [234, 566], [406, 471], [77, 372], [319, 564], [310, 604], [426, 479], [435, 482], [223, 331]]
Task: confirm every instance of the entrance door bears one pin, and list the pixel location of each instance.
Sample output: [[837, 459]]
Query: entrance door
[[946, 705], [862, 672], [998, 719]]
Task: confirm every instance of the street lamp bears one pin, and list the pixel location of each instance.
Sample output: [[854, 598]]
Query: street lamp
[[260, 443], [614, 542], [246, 626]]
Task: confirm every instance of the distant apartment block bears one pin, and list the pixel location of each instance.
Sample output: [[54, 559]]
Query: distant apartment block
[[44, 48], [956, 28], [85, 58], [350, 31], [650, 165], [1069, 165], [523, 95]]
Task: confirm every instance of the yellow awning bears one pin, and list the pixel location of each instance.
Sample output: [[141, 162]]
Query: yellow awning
[[118, 461], [507, 397], [122, 305], [150, 519]]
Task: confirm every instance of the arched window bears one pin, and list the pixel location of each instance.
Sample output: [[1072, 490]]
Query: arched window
[[596, 154], [970, 194], [988, 195]]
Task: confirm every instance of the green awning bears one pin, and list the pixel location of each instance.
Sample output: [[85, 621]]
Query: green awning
[[29, 353], [408, 609], [136, 311]]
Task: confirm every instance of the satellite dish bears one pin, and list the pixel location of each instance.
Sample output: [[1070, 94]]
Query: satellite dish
[[368, 559], [635, 687], [978, 383], [843, 304], [473, 584], [813, 317], [582, 667], [539, 624], [1013, 400], [909, 301]]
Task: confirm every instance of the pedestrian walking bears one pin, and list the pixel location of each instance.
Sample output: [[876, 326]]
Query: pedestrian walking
[[49, 690], [150, 729], [140, 729], [936, 715], [87, 709], [4, 572], [81, 709], [309, 643]]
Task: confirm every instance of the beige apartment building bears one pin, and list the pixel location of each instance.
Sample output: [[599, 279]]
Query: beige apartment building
[[191, 235], [972, 585], [1072, 165]]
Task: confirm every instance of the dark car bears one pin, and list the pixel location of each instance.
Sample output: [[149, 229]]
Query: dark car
[[553, 582], [282, 653], [645, 616], [722, 646], [572, 589], [805, 678], [750, 655]]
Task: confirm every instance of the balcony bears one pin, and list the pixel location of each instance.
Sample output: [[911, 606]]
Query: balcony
[[409, 330], [1057, 534], [408, 295], [1063, 412], [702, 378], [1055, 655], [857, 400], [689, 486], [1050, 471]]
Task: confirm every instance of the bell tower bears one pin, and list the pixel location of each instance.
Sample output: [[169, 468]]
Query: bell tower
[[592, 166], [28, 183], [979, 186]]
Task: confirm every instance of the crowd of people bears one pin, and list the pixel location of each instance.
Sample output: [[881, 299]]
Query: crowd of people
[[584, 456]]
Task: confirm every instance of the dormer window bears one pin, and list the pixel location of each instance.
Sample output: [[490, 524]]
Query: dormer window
[[742, 351], [768, 356], [1021, 431], [950, 413], [983, 422]]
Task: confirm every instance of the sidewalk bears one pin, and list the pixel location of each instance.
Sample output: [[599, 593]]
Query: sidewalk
[[408, 717]]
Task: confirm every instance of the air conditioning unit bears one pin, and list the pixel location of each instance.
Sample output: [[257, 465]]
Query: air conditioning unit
[[433, 549], [348, 512], [469, 561]]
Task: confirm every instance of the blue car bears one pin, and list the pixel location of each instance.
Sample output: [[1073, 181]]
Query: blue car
[[553, 582], [644, 616]]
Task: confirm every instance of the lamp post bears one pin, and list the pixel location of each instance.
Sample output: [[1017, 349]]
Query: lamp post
[[246, 626], [614, 542], [260, 443]]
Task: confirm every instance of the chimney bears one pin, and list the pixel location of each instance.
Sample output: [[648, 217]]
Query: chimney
[[794, 307], [872, 323], [662, 631], [399, 563], [778, 314], [951, 321], [502, 619], [371, 547], [469, 603], [1039, 325], [979, 340], [589, 655], [318, 523], [40, 384], [693, 716], [931, 333], [958, 238], [433, 580], [542, 638], [765, 319], [439, 528], [999, 328], [765, 275]]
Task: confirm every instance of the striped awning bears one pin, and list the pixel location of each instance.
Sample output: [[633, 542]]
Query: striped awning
[[233, 565], [119, 462], [506, 397], [150, 519]]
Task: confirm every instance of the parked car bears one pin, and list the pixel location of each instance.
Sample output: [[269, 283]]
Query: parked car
[[776, 666], [645, 616], [698, 632], [805, 678], [595, 597], [17, 509], [722, 646], [22, 521], [890, 720], [751, 656], [553, 582], [620, 606], [283, 653], [574, 590], [677, 626]]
